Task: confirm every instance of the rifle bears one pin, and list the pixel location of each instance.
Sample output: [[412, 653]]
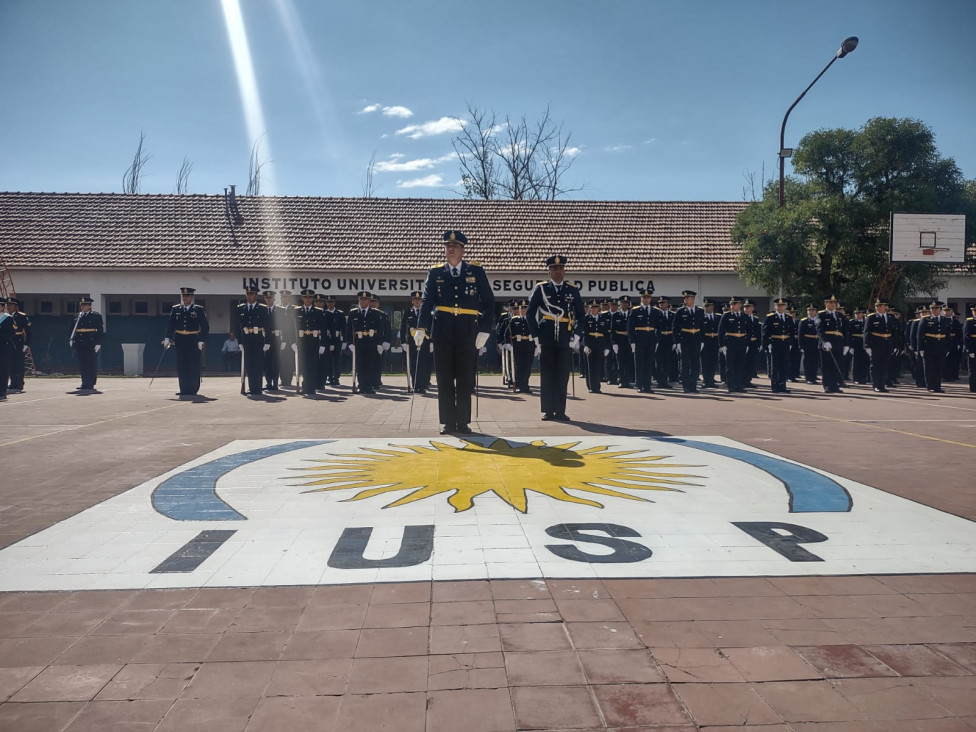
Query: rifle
[[242, 371]]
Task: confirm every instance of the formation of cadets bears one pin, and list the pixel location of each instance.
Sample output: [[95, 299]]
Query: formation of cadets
[[638, 346]]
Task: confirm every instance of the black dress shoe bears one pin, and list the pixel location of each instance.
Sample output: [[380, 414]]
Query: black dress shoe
[[463, 429], [548, 417], [447, 429], [881, 390], [561, 418]]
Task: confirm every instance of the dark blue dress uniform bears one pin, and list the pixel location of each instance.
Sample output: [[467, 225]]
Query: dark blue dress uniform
[[830, 330], [644, 323], [501, 339], [286, 323], [933, 341], [523, 349], [880, 337], [610, 363], [273, 354], [187, 328], [955, 351], [309, 327], [667, 361], [22, 338], [709, 351], [809, 342], [7, 346], [456, 308], [778, 333], [911, 339], [385, 338], [364, 330], [969, 344], [689, 325], [754, 346], [859, 361], [733, 335], [254, 326], [88, 332], [555, 315], [621, 344], [335, 328], [596, 338], [419, 359]]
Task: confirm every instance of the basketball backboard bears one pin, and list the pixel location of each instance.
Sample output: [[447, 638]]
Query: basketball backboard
[[928, 238]]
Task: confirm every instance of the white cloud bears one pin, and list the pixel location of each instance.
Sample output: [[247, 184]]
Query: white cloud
[[572, 152], [429, 129], [649, 140], [428, 181], [390, 111], [397, 111], [394, 166], [617, 148]]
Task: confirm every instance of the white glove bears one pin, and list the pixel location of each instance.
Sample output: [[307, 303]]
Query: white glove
[[71, 343], [847, 349], [267, 347], [294, 347], [352, 348], [587, 350], [418, 337], [98, 348], [342, 345], [25, 348], [633, 348], [166, 342], [482, 351], [677, 348], [480, 340], [536, 341], [867, 351], [331, 347], [574, 342], [972, 355], [508, 347], [701, 347], [723, 350], [606, 352], [321, 350], [386, 346], [538, 350], [431, 347], [283, 346], [828, 346], [616, 348], [379, 348], [200, 345], [921, 353]]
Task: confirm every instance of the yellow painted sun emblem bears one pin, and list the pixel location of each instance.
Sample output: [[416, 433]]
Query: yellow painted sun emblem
[[509, 471]]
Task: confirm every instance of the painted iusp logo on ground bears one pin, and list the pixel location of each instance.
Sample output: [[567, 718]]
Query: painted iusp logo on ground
[[279, 512]]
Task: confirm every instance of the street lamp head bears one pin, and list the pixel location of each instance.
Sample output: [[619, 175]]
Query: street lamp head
[[847, 46]]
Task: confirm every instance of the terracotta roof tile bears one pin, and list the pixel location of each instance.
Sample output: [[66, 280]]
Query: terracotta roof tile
[[95, 231]]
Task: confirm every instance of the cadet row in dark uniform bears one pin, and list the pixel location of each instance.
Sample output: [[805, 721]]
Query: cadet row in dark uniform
[[15, 341]]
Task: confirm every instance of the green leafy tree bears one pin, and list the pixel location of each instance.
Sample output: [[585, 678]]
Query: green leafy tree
[[832, 235]]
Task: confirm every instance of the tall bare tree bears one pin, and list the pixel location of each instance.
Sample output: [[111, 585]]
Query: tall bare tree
[[255, 164], [514, 160], [132, 178], [369, 186], [183, 177]]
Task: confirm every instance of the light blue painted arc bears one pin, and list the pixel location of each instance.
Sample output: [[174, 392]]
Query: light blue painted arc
[[192, 494], [809, 491]]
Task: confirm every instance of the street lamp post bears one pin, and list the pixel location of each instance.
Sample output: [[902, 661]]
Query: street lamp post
[[846, 47]]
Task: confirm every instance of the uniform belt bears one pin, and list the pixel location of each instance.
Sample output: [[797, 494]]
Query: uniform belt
[[666, 332], [712, 335], [834, 333], [880, 335], [457, 311], [595, 335], [183, 332], [553, 317], [521, 338], [691, 330], [254, 331], [645, 328], [276, 333], [934, 335], [95, 330], [620, 332], [364, 333], [781, 338], [737, 335], [313, 333], [414, 331]]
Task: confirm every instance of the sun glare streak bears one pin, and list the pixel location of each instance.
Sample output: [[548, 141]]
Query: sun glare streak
[[248, 85], [316, 86]]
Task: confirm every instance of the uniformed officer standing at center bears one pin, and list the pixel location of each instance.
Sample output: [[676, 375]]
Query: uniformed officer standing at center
[[932, 344], [644, 323], [457, 311], [271, 354], [689, 324], [733, 335], [188, 329], [555, 318], [832, 340], [596, 345], [778, 333], [878, 339], [309, 324], [254, 324]]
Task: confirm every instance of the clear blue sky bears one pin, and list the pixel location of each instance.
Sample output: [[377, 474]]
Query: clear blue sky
[[666, 99]]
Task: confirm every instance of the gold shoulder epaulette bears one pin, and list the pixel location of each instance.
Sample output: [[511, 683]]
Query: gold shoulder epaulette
[[474, 263], [540, 283]]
